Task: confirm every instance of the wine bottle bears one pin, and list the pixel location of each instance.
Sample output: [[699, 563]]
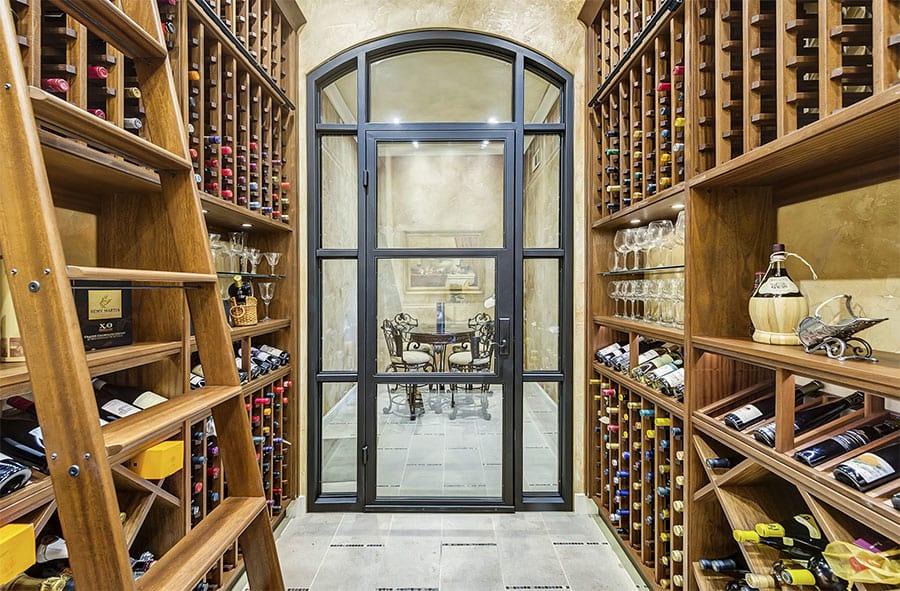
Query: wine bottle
[[23, 582], [844, 442], [871, 469], [777, 303], [810, 418], [761, 410], [719, 463], [51, 548], [13, 475], [733, 563], [802, 526], [21, 438], [283, 355], [817, 572], [655, 363], [762, 581], [137, 397], [791, 547]]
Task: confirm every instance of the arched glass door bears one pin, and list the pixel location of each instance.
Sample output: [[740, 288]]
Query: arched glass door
[[440, 296]]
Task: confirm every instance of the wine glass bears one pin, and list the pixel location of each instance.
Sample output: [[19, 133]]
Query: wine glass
[[272, 258], [642, 242], [621, 248], [216, 245], [652, 309], [667, 292], [679, 228], [630, 246], [678, 288], [660, 234], [254, 256], [266, 293], [613, 291]]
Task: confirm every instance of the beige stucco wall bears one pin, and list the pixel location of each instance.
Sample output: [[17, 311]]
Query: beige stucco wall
[[550, 27]]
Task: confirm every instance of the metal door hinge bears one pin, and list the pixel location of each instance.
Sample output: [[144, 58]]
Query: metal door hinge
[[365, 454]]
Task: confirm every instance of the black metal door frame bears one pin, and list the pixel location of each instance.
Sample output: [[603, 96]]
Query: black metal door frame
[[359, 58], [504, 279]]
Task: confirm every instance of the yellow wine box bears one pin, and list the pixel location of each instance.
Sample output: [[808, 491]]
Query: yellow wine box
[[159, 461], [16, 549]]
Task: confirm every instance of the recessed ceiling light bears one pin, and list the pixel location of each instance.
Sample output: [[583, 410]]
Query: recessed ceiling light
[[246, 225], [634, 221], [678, 206], [415, 144], [484, 144], [492, 120], [396, 120]]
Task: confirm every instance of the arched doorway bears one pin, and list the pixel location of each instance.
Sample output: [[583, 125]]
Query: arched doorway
[[440, 241]]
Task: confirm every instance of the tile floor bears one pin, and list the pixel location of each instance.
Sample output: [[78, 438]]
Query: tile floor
[[438, 456], [448, 552]]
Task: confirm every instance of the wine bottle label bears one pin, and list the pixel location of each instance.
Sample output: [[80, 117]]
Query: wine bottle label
[[778, 286], [647, 356], [120, 408], [747, 413], [148, 399], [870, 467], [52, 548], [675, 378]]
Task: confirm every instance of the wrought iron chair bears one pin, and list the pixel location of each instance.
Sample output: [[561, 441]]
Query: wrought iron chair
[[403, 360], [406, 323], [475, 356]]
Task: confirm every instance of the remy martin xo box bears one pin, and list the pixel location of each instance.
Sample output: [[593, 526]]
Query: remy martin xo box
[[104, 313]]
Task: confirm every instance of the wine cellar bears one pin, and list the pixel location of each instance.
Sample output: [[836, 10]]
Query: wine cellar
[[235, 83], [722, 119], [325, 295]]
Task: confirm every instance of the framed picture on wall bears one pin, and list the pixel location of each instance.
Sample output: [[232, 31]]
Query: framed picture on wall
[[444, 275]]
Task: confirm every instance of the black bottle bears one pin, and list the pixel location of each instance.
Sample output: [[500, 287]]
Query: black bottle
[[761, 410], [871, 469], [844, 442], [811, 418]]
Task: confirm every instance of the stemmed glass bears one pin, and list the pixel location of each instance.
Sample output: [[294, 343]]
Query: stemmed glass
[[652, 309], [254, 256], [660, 236], [613, 289], [216, 245], [266, 293], [678, 288], [236, 240], [631, 246], [621, 247], [642, 242], [272, 258]]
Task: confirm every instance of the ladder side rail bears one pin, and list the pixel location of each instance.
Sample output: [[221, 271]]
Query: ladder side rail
[[182, 205], [29, 239]]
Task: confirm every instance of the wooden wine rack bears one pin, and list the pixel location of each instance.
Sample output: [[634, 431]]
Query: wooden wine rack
[[783, 102], [652, 528], [227, 88]]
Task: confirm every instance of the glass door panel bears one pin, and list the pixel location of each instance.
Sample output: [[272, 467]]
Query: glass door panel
[[436, 314], [452, 449], [440, 299]]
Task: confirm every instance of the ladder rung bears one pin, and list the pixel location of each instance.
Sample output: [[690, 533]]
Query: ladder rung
[[187, 561], [137, 275], [131, 433], [107, 21], [79, 122]]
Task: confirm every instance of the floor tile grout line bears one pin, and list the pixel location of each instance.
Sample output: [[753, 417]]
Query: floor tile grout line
[[327, 550]]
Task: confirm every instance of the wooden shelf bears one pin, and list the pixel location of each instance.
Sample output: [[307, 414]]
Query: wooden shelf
[[655, 207], [32, 496], [128, 435], [669, 334], [14, 377], [77, 272], [226, 215], [670, 404], [266, 380], [264, 327], [876, 378], [880, 517], [862, 131]]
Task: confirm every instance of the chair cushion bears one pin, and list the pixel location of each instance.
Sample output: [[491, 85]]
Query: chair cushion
[[416, 357], [465, 358]]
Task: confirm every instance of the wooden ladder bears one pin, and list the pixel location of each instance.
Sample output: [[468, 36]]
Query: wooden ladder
[[79, 453]]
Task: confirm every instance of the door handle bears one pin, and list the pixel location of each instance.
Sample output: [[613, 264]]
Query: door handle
[[502, 344]]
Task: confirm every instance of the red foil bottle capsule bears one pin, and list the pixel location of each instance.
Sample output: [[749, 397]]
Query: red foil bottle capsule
[[55, 84], [664, 87], [98, 73], [98, 113]]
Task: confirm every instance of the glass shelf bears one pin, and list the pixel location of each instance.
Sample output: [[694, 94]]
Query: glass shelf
[[250, 275], [649, 271]]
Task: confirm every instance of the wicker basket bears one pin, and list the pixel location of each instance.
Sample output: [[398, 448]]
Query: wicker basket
[[244, 314]]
